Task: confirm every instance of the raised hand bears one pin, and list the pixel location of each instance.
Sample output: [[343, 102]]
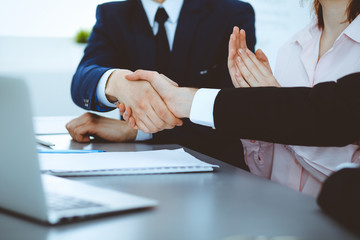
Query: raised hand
[[247, 69], [177, 99], [255, 72], [92, 125], [234, 45], [149, 111]]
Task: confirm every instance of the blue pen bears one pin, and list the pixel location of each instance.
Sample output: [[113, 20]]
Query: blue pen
[[68, 151]]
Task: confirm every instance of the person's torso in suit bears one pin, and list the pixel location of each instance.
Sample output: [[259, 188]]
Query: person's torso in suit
[[122, 38]]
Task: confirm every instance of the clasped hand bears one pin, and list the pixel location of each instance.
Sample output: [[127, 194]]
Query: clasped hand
[[149, 110], [177, 99]]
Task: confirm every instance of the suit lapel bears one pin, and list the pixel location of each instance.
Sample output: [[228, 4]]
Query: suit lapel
[[185, 32], [144, 38]]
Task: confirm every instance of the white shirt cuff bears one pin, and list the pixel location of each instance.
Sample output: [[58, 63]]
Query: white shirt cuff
[[141, 136], [202, 107], [100, 89]]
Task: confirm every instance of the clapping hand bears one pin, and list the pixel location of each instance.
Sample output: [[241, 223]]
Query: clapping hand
[[247, 69]]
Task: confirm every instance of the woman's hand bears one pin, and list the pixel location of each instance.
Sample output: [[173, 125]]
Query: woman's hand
[[247, 69], [256, 73], [234, 45]]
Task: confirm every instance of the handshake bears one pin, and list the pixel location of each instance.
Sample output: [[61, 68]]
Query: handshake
[[157, 103], [149, 101]]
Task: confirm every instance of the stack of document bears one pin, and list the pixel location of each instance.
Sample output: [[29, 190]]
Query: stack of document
[[122, 163]]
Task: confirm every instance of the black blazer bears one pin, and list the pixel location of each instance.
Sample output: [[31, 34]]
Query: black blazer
[[123, 38], [340, 197], [326, 115]]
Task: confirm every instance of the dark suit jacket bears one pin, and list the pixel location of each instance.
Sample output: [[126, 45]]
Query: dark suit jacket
[[123, 38], [340, 197], [326, 115]]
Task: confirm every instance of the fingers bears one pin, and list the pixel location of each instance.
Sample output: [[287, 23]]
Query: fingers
[[259, 65], [127, 114], [142, 75], [248, 69], [232, 66], [147, 120], [81, 128], [150, 107], [141, 126], [233, 46], [161, 115], [169, 120], [254, 71], [233, 39], [246, 74], [242, 39], [132, 123], [82, 133], [240, 81], [154, 116], [121, 108]]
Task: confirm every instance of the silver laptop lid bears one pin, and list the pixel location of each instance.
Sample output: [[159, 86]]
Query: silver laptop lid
[[21, 185], [20, 180]]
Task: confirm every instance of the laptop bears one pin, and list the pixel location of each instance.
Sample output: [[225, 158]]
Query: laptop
[[24, 190]]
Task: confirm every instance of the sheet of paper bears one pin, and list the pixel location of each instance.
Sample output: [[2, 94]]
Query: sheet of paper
[[158, 159], [51, 125]]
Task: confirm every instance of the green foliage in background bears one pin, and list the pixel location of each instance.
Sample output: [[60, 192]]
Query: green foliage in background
[[82, 36]]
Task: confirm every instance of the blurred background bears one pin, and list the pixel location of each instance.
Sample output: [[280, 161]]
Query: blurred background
[[37, 43]]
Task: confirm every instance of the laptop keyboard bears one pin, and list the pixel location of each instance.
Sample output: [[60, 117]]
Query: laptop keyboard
[[59, 202]]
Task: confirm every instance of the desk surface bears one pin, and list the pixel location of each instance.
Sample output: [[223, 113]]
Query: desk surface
[[226, 203]]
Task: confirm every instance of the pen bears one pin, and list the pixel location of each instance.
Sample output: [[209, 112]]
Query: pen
[[45, 143], [68, 151]]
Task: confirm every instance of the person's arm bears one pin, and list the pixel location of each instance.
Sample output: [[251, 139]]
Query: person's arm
[[100, 56], [340, 197], [326, 115]]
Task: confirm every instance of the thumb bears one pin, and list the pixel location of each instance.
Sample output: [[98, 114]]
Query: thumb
[[141, 75], [260, 55]]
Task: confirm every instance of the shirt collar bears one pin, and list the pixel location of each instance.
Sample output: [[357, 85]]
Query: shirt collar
[[311, 31], [172, 8], [307, 34], [352, 31]]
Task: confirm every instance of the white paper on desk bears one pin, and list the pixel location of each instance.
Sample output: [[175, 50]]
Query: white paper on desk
[[51, 125], [119, 163]]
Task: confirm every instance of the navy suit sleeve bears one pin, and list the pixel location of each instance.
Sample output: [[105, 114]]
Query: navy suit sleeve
[[99, 56]]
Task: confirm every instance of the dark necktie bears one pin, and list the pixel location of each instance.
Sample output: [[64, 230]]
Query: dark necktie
[[162, 43]]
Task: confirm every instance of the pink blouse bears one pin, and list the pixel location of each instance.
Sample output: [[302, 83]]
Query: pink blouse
[[299, 167]]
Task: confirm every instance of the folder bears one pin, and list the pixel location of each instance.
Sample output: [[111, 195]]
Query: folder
[[122, 163]]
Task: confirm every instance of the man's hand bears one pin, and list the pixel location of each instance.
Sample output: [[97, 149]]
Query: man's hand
[[178, 100], [90, 124], [149, 111]]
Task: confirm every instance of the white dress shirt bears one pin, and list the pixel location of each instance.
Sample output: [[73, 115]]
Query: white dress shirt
[[202, 107], [173, 9]]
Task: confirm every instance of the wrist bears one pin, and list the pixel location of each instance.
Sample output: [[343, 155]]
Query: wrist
[[115, 83], [184, 101]]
